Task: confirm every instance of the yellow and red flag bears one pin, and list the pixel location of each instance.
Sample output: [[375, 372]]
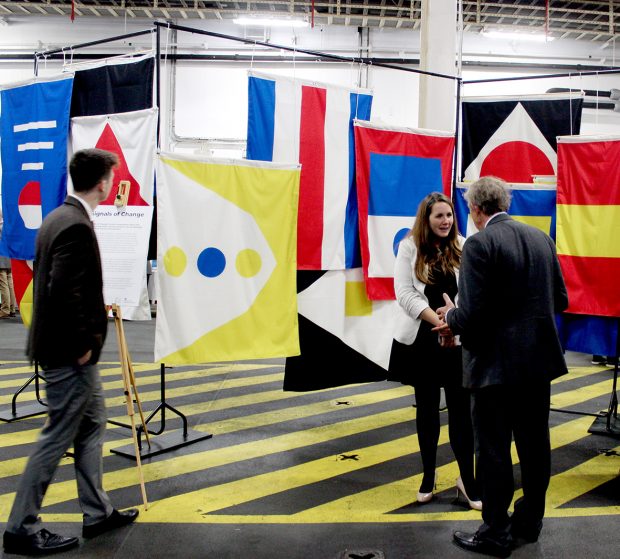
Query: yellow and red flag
[[588, 222]]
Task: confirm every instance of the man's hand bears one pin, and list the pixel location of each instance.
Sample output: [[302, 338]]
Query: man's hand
[[85, 358], [442, 311]]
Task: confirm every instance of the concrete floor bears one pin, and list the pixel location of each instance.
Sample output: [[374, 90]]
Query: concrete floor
[[294, 476]]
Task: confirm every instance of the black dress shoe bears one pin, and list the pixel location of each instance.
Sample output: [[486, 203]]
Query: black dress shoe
[[116, 520], [42, 542], [527, 532], [480, 544]]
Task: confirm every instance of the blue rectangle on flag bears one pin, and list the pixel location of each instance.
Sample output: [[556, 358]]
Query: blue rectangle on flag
[[399, 182], [525, 202], [261, 118], [34, 128]]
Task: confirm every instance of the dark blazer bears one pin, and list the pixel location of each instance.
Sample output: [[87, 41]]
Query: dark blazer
[[510, 287], [69, 316]]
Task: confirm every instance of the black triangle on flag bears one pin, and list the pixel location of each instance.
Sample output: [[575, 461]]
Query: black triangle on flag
[[515, 139], [325, 361]]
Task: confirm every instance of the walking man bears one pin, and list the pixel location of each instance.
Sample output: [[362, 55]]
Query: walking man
[[66, 337]]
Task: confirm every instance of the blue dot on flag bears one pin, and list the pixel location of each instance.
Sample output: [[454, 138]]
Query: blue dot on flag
[[211, 262], [400, 235]]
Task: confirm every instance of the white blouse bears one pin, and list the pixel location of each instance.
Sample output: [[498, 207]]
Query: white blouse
[[410, 291]]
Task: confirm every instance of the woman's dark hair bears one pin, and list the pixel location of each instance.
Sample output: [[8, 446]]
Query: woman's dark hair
[[446, 256]]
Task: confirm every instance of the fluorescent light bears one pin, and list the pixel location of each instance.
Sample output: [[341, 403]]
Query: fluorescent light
[[516, 36], [268, 22]]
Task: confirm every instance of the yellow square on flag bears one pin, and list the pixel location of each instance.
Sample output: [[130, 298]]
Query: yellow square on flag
[[356, 302]]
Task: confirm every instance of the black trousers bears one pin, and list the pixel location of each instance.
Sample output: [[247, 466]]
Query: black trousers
[[499, 413]]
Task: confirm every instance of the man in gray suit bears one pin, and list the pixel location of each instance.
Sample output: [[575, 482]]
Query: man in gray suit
[[68, 330], [510, 288]]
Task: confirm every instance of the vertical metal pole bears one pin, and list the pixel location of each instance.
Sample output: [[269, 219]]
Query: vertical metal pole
[[456, 135], [158, 82]]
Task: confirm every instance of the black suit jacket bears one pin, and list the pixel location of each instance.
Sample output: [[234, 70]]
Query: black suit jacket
[[69, 316], [510, 287]]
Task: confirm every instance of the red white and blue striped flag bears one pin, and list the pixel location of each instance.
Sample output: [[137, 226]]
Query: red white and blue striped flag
[[296, 121]]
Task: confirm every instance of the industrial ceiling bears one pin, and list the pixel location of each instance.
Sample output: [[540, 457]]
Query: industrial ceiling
[[591, 21]]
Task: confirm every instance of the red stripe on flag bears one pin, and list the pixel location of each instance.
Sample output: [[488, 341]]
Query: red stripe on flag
[[592, 285], [587, 173], [312, 159]]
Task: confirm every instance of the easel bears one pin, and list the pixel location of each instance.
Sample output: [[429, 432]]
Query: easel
[[129, 387]]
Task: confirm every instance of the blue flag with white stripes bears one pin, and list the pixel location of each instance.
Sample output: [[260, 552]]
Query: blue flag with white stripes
[[34, 125]]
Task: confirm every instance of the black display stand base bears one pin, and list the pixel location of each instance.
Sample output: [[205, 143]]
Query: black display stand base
[[38, 408], [605, 425], [159, 442], [24, 411], [163, 443]]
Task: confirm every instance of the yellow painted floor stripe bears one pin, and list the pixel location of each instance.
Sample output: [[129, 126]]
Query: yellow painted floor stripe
[[190, 463], [143, 381], [249, 489], [16, 465]]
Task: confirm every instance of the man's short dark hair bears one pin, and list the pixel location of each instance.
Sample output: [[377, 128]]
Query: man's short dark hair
[[89, 166]]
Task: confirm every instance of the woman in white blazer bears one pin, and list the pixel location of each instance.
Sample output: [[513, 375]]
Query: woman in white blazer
[[426, 267]]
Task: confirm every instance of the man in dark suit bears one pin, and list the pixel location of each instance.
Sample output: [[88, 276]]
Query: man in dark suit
[[510, 288], [66, 337]]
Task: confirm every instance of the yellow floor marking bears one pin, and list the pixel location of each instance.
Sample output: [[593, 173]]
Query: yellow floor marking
[[582, 394], [23, 437], [259, 420], [391, 496], [143, 381], [580, 372], [581, 479], [19, 368], [202, 502], [16, 465], [563, 434], [64, 491], [195, 504]]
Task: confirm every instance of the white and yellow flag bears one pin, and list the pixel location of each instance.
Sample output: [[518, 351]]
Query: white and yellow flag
[[226, 243]]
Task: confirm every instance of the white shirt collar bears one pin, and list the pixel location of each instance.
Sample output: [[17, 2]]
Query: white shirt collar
[[494, 215], [87, 207]]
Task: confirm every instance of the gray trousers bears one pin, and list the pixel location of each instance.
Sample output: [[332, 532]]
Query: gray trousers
[[76, 417]]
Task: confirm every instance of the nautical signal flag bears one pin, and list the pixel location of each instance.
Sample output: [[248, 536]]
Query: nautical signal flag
[[514, 138], [131, 136], [24, 288], [396, 168], [114, 85], [533, 204], [588, 222], [337, 319], [310, 123], [226, 260], [33, 139]]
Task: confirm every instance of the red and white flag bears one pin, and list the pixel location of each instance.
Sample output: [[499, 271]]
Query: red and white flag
[[296, 121], [514, 138], [123, 220]]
